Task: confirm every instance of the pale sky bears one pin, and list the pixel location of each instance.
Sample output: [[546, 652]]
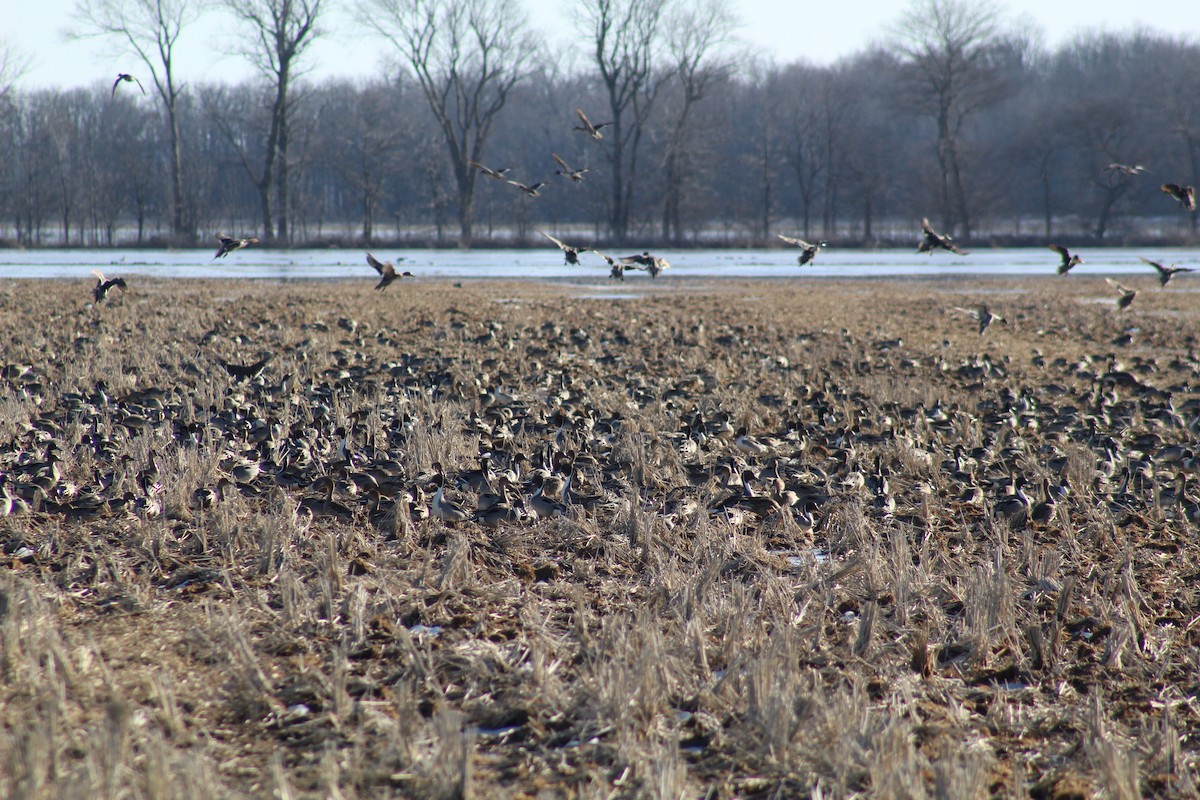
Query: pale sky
[[785, 30]]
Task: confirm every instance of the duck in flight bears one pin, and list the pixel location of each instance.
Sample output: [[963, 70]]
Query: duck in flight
[[982, 315], [570, 254], [1069, 261], [387, 272], [498, 174], [934, 240], [566, 171], [1127, 295], [242, 372], [1165, 273], [587, 126], [100, 290], [229, 244], [807, 251], [531, 191], [1125, 169], [1185, 195], [126, 78], [616, 270], [652, 264]]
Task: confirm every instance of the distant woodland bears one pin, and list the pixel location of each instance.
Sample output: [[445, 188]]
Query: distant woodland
[[959, 116]]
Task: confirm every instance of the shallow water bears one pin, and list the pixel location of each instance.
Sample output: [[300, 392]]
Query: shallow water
[[294, 265]]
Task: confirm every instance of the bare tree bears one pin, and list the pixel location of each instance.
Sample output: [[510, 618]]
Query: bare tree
[[627, 39], [806, 102], [694, 46], [951, 54], [150, 29], [467, 55], [13, 64], [364, 143], [1178, 97], [279, 32]]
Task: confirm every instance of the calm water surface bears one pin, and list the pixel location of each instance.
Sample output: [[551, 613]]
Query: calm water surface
[[296, 265]]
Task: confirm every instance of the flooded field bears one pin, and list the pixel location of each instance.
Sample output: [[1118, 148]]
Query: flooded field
[[547, 264]]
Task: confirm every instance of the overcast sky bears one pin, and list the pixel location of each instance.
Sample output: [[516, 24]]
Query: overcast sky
[[785, 30]]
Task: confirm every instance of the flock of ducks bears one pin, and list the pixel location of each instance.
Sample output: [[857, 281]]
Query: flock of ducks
[[547, 416], [654, 265], [931, 240], [556, 450], [573, 174]]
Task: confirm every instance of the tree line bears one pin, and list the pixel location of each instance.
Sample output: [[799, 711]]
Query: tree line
[[958, 116]]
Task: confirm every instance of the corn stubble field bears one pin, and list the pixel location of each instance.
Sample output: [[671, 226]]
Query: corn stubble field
[[224, 586]]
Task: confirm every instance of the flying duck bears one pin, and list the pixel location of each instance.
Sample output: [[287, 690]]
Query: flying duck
[[387, 272], [566, 171], [100, 290], [570, 254], [498, 174], [934, 240], [532, 191], [1165, 273], [1186, 195], [616, 268], [127, 78], [652, 264], [982, 315], [1126, 297], [229, 244], [588, 128], [1068, 261], [808, 251]]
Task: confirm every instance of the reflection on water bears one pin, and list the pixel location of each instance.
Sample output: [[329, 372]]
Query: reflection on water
[[295, 265]]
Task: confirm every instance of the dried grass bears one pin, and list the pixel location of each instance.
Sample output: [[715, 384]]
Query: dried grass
[[269, 646]]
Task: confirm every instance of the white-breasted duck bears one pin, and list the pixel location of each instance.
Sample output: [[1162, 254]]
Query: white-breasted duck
[[587, 127], [808, 250], [567, 171]]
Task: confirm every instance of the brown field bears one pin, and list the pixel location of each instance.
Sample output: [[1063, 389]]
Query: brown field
[[214, 586]]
